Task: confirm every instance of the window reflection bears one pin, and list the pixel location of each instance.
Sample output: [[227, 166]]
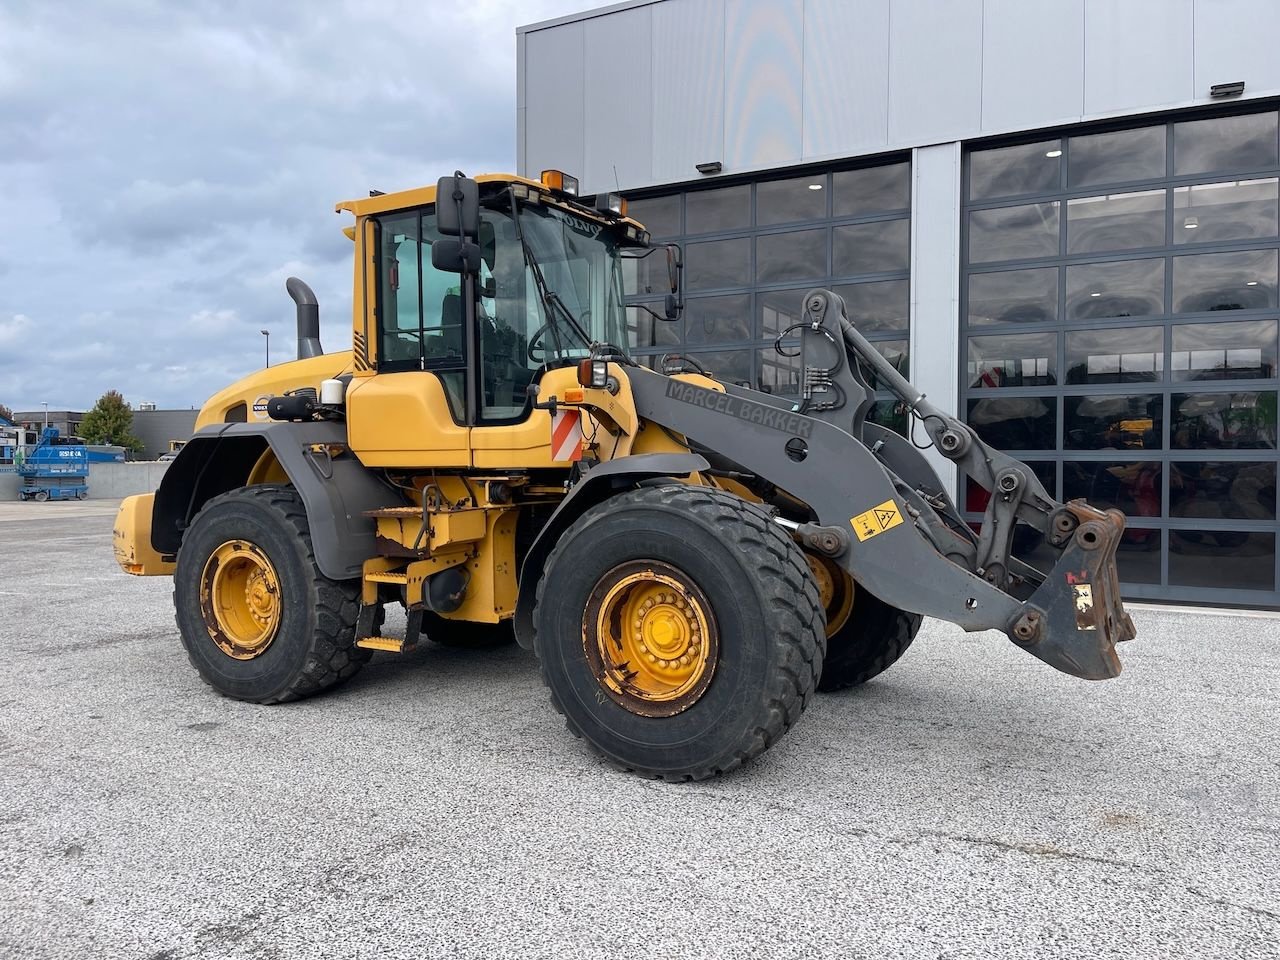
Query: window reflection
[[1128, 288], [784, 201], [660, 215], [1122, 221], [882, 246], [646, 330], [1222, 559], [1225, 143], [801, 255], [1226, 421], [1235, 210], [1008, 171], [778, 373], [1222, 490], [717, 319], [882, 305], [872, 190], [1224, 351], [1133, 486], [1024, 360], [1014, 296], [717, 263], [895, 351], [1013, 233], [1224, 281], [779, 309], [1113, 423], [734, 366], [1116, 157], [1015, 423], [1125, 355], [725, 208], [1138, 556]]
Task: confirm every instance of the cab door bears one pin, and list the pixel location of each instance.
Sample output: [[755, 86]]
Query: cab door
[[411, 412]]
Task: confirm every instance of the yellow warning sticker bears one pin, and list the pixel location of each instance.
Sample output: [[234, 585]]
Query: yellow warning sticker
[[877, 520]]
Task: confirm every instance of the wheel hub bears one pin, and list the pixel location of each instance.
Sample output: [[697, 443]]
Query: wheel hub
[[240, 599], [650, 638], [835, 591]]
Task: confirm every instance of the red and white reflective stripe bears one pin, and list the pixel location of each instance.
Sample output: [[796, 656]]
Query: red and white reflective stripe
[[566, 435]]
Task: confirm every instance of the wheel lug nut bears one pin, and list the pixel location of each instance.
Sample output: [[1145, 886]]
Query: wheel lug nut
[[643, 648], [652, 658], [684, 661]]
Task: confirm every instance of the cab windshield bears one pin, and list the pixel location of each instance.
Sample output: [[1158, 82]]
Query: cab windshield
[[524, 324]]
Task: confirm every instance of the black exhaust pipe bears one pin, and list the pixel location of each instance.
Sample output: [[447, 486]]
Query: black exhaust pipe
[[308, 318]]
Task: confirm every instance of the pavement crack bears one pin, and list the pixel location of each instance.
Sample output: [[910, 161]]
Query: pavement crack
[[1034, 849], [1223, 902]]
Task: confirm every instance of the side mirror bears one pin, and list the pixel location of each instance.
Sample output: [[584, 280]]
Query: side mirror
[[456, 256], [672, 307], [675, 264], [457, 207]]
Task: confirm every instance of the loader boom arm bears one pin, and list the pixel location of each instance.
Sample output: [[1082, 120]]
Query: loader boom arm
[[880, 511]]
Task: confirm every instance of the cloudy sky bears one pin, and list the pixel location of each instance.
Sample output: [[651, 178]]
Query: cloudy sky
[[165, 166]]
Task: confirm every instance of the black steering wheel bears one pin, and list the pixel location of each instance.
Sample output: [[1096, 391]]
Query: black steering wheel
[[540, 356]]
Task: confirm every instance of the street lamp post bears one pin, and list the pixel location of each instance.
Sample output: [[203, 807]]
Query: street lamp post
[[45, 404], [267, 334]]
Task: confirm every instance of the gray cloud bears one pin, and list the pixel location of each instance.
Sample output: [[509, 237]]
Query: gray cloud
[[166, 166]]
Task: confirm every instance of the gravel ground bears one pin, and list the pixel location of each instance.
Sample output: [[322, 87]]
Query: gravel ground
[[969, 803]]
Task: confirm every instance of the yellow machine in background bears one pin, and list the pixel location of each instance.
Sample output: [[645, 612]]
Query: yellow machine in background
[[688, 558]]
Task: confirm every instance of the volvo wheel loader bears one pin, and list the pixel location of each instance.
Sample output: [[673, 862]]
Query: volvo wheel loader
[[688, 559]]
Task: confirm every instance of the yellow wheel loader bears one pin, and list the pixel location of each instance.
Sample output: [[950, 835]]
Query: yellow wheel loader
[[688, 559]]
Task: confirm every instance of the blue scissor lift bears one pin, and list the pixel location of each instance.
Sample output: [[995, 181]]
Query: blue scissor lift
[[57, 469]]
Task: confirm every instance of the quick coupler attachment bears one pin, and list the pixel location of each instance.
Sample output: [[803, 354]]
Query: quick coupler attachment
[[1075, 618]]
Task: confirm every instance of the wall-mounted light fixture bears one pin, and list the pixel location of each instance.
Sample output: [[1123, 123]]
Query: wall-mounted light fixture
[[715, 166], [1220, 90]]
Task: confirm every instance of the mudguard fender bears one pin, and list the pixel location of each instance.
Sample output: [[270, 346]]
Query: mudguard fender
[[597, 485]]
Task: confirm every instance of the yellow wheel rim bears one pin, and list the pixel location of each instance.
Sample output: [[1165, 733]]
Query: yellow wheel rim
[[240, 599], [650, 638], [835, 591]]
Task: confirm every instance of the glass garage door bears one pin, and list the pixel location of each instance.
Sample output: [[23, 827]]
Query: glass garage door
[[1119, 325], [751, 252]]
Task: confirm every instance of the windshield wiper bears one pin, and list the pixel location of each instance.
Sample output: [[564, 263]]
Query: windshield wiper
[[549, 298]]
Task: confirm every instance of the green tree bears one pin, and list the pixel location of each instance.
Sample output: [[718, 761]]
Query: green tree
[[6, 413], [111, 421]]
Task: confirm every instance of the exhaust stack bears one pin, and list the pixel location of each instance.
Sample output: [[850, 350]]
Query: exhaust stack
[[308, 318]]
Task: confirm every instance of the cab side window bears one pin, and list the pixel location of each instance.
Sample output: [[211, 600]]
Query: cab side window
[[420, 315]]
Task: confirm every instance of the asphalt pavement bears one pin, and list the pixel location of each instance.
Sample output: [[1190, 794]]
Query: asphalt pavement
[[971, 802]]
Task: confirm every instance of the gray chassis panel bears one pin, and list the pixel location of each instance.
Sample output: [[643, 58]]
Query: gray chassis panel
[[335, 492]]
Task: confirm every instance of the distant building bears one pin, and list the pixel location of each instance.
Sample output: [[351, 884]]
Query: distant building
[[156, 428]]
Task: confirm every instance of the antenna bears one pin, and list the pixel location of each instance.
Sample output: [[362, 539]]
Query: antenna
[[615, 178]]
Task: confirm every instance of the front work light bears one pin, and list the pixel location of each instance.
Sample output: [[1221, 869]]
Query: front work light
[[611, 203], [594, 373], [560, 181]]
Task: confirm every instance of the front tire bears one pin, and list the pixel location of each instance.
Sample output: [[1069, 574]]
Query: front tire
[[678, 630], [258, 619]]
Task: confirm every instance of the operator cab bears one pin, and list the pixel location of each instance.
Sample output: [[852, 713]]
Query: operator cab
[[500, 281]]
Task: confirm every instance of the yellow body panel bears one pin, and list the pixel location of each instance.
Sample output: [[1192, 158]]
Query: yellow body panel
[[131, 539], [271, 382], [402, 420]]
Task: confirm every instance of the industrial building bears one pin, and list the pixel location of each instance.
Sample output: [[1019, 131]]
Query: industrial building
[[155, 428], [1060, 216]]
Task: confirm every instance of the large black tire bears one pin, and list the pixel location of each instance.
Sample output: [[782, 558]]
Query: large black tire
[[869, 642], [766, 609], [465, 635], [314, 647]]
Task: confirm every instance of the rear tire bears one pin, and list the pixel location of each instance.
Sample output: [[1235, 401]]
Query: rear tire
[[871, 640], [41, 496], [762, 619], [313, 644]]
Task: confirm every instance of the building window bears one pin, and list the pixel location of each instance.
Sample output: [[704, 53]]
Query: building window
[[1119, 319], [753, 249]]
